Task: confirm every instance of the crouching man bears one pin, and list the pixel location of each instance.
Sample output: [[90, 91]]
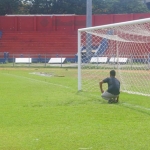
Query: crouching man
[[113, 91]]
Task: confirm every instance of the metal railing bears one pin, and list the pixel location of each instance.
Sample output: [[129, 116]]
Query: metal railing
[[38, 60]]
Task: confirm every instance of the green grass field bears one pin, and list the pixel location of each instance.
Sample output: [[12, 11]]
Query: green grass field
[[41, 109]]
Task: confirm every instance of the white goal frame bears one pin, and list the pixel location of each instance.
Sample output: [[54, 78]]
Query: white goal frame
[[140, 21]]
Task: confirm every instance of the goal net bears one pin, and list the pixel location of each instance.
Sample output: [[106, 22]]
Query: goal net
[[124, 47]]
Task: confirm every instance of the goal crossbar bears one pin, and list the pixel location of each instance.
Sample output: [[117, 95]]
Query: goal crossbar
[[140, 21]]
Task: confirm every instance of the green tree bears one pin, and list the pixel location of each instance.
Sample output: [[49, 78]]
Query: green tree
[[71, 6], [79, 6], [57, 6], [9, 6], [118, 6], [24, 8], [129, 6]]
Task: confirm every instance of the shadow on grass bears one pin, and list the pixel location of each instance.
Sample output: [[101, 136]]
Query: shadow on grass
[[93, 98]]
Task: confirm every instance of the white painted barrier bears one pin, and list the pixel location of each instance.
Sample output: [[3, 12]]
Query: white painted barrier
[[120, 60], [56, 60], [99, 59], [23, 60]]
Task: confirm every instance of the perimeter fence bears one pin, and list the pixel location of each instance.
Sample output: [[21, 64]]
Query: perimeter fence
[[37, 60]]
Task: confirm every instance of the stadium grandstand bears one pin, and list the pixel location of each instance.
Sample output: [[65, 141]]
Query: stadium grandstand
[[35, 36]]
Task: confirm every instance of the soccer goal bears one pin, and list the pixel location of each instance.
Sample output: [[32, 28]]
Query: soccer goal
[[124, 47]]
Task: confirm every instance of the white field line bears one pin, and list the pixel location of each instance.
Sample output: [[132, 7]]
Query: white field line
[[127, 104], [136, 106], [63, 86]]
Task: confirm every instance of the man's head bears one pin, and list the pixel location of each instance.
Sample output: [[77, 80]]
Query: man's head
[[112, 73]]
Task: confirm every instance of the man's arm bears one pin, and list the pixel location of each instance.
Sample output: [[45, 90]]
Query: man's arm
[[101, 87]]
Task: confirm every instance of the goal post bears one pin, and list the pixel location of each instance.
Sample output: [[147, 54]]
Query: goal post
[[79, 61], [124, 47]]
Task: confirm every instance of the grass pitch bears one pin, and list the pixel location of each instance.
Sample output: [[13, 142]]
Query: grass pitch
[[42, 110]]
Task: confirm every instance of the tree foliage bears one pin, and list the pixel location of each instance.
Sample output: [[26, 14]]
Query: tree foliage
[[9, 6], [129, 6], [119, 6], [57, 6], [71, 6]]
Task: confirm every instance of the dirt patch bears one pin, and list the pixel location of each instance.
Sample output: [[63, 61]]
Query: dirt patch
[[46, 74]]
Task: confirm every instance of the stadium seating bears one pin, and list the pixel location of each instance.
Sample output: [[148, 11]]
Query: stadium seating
[[39, 43]]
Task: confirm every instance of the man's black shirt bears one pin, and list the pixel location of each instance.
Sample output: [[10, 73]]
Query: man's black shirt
[[113, 85]]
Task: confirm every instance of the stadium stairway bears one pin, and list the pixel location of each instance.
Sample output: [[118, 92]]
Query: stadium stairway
[[102, 48], [1, 33]]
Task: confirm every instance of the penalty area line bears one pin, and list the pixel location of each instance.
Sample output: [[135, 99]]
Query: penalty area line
[[67, 87]]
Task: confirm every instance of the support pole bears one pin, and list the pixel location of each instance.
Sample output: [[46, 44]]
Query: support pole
[[79, 61], [88, 24], [88, 13]]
